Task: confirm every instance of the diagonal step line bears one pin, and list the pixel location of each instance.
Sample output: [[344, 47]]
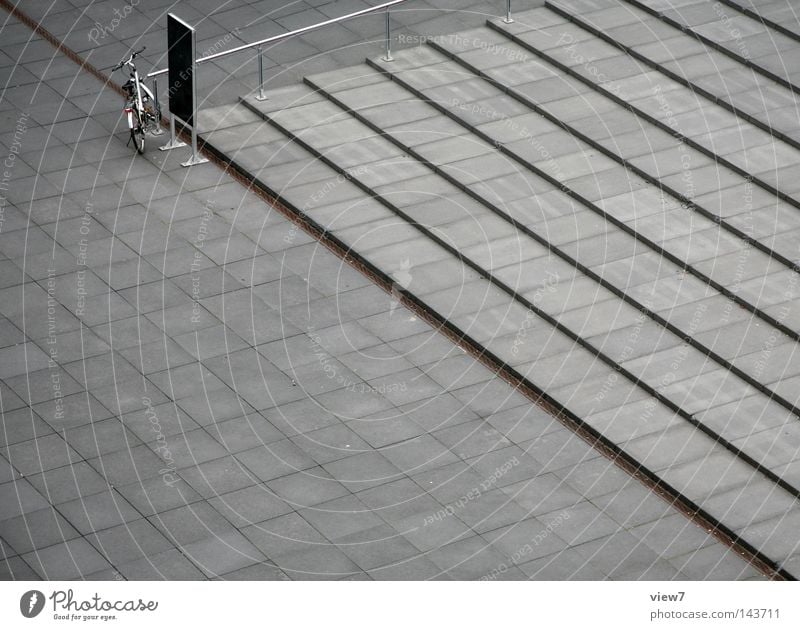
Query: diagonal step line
[[714, 98], [664, 127], [760, 18], [688, 141], [637, 171], [685, 28], [564, 256], [484, 273]]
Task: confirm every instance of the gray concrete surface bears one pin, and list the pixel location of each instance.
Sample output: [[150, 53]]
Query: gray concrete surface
[[726, 365], [192, 388]]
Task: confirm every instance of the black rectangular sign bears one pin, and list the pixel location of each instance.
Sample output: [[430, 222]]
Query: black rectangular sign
[[180, 42]]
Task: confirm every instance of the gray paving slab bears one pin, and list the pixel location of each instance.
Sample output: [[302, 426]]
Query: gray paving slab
[[73, 558]]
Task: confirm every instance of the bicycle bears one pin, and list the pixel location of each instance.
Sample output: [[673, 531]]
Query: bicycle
[[140, 108]]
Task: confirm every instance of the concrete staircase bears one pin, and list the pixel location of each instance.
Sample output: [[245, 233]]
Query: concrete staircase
[[598, 212]]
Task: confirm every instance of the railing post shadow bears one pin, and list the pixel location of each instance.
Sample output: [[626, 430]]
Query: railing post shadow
[[158, 130]]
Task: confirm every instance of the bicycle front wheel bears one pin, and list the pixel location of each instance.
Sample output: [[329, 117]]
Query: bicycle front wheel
[[137, 136]]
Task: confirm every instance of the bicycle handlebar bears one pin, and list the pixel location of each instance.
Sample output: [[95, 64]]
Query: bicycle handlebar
[[129, 59]]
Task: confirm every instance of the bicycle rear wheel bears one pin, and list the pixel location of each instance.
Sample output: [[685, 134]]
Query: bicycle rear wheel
[[137, 136], [152, 118]]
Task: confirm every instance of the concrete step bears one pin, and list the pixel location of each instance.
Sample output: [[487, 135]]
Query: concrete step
[[750, 42], [647, 214], [779, 15], [705, 70], [712, 134]]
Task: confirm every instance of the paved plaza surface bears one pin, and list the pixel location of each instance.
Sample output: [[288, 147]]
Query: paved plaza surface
[[193, 387]]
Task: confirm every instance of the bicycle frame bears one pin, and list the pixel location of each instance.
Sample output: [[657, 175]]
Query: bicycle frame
[[139, 100], [139, 119]]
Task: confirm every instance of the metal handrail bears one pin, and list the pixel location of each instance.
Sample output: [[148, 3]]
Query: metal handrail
[[259, 46], [282, 36]]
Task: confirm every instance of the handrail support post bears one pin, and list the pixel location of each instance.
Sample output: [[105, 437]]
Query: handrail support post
[[261, 96], [388, 56], [508, 19], [195, 158]]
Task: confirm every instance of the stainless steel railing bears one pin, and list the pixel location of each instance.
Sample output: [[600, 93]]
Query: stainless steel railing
[[259, 45]]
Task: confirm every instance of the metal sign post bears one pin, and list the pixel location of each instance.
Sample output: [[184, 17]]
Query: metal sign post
[[195, 158], [181, 42]]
